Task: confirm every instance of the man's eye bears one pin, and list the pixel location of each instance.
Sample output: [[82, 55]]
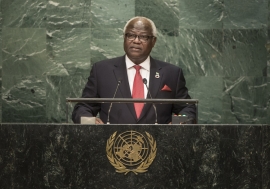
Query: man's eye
[[144, 37]]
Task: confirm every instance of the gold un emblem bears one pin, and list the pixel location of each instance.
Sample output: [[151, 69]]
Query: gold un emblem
[[130, 151]]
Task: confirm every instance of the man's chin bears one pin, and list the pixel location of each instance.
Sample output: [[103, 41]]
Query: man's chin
[[136, 59], [134, 55]]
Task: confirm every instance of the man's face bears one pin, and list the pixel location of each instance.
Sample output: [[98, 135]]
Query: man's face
[[137, 50]]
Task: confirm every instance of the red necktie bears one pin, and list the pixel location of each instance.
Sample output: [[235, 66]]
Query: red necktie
[[138, 90]]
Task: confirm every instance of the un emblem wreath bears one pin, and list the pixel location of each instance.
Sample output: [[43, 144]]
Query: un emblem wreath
[[131, 151]]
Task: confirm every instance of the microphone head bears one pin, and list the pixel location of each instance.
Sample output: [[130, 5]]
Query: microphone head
[[144, 81]]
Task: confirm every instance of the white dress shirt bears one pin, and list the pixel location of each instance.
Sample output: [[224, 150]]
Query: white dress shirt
[[144, 71]]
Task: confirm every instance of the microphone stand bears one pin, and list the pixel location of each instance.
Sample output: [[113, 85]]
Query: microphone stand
[[154, 106], [108, 119]]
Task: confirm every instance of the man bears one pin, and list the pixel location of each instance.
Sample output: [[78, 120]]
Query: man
[[165, 81]]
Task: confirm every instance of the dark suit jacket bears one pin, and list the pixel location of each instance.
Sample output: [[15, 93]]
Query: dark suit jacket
[[102, 83]]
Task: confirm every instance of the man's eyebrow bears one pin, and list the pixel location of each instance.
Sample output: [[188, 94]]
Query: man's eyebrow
[[136, 34]]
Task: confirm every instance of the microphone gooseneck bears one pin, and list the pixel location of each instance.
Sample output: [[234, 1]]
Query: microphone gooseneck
[[148, 92], [118, 83]]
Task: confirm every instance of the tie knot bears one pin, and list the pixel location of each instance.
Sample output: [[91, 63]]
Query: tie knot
[[137, 67]]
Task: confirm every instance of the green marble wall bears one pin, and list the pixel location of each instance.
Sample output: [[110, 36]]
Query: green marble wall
[[48, 48]]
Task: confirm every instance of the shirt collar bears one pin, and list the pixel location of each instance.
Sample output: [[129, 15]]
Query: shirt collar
[[145, 64]]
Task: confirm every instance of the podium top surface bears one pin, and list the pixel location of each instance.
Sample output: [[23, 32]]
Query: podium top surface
[[131, 100]]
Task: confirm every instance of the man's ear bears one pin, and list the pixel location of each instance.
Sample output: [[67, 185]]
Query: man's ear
[[154, 41]]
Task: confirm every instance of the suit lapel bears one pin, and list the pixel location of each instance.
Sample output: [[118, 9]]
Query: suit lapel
[[120, 73], [154, 83], [155, 78]]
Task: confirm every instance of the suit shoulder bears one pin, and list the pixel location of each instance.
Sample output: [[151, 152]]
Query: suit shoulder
[[167, 65], [109, 62]]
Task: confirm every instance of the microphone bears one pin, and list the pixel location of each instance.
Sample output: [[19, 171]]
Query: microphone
[[118, 83], [148, 92]]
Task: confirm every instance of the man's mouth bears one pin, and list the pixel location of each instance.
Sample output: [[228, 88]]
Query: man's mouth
[[135, 48]]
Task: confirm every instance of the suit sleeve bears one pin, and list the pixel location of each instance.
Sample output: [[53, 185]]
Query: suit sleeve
[[90, 91], [182, 93]]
